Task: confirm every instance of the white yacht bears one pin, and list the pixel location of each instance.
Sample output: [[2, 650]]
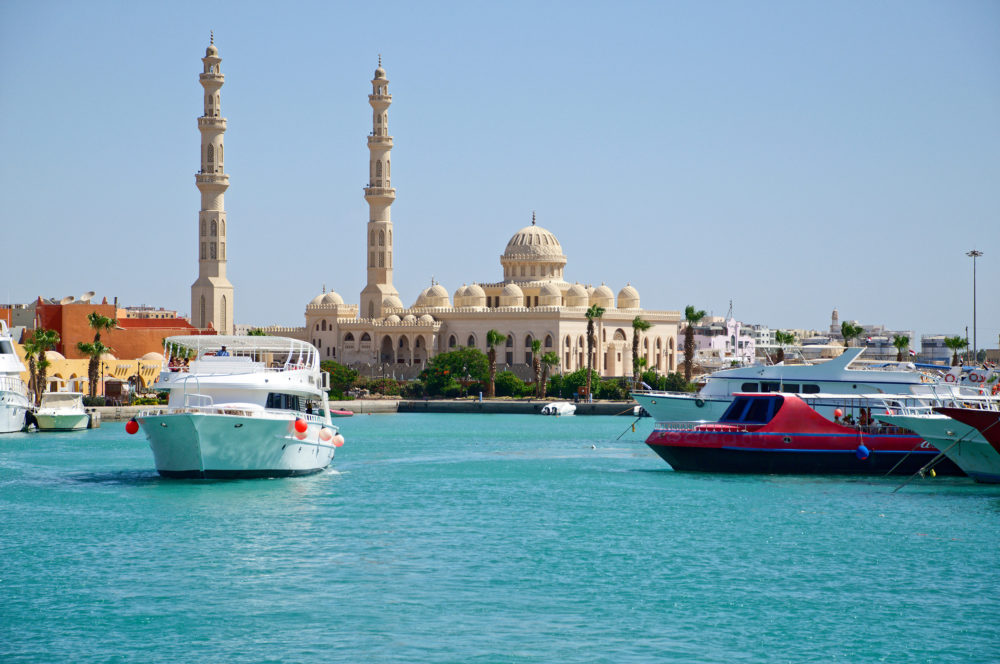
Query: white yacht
[[61, 411], [835, 376], [243, 407], [13, 392], [558, 408]]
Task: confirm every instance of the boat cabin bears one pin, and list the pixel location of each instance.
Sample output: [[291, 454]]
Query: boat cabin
[[752, 409]]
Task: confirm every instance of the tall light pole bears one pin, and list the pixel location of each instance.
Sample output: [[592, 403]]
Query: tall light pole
[[975, 351]]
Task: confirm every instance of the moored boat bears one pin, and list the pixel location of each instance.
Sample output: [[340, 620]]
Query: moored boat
[[14, 401], [244, 408], [781, 433], [61, 411], [558, 409]]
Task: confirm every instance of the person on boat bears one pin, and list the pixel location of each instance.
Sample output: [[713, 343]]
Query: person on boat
[[222, 353]]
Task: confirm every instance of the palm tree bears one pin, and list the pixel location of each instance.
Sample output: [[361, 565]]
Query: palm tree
[[783, 339], [94, 350], [493, 339], [536, 362], [98, 324], [850, 331], [35, 347], [901, 342], [593, 312], [638, 326], [549, 360], [955, 344], [692, 317]]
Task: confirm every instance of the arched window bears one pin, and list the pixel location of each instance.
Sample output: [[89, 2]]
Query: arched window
[[378, 169], [365, 337], [567, 342], [548, 341], [222, 250], [371, 259], [222, 226], [202, 251], [527, 341], [510, 341], [222, 315], [371, 307], [381, 260], [323, 326], [471, 342], [452, 341], [317, 329], [211, 154], [386, 169], [212, 250], [390, 237], [220, 153], [348, 338], [214, 226], [381, 238], [419, 343], [203, 227], [371, 238]]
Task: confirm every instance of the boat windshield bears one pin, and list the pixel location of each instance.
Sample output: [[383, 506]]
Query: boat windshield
[[752, 410]]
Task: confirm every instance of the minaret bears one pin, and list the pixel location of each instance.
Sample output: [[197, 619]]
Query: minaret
[[212, 294], [380, 196]]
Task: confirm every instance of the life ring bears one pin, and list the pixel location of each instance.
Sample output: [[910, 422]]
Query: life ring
[[699, 402], [976, 378], [949, 378]]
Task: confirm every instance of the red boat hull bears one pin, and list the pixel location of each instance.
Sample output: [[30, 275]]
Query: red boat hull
[[783, 434]]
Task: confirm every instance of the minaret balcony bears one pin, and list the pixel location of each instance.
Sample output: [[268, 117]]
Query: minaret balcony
[[212, 178], [385, 141], [383, 192], [212, 78], [213, 122], [380, 98]]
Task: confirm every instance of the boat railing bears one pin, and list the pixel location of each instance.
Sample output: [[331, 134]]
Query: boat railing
[[658, 393], [236, 409], [13, 384], [691, 425]]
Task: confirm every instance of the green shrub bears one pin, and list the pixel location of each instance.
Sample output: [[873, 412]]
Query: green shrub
[[90, 402], [509, 385], [414, 389]]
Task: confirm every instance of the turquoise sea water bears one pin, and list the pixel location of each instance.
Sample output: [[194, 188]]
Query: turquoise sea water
[[485, 538]]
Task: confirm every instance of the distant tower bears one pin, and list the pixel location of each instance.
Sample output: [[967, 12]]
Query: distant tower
[[212, 294], [835, 323], [380, 195]]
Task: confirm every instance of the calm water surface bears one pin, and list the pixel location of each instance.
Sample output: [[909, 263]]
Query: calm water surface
[[485, 538]]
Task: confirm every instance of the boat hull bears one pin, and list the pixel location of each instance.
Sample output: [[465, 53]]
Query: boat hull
[[959, 442], [211, 446], [51, 422], [794, 453], [13, 407], [682, 407]]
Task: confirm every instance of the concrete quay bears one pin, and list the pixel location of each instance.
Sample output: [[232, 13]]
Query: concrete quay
[[380, 406]]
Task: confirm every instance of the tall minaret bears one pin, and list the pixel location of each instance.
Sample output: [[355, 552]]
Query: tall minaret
[[380, 196], [212, 294]]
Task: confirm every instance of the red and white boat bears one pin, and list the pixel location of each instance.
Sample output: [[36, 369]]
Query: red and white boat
[[781, 433]]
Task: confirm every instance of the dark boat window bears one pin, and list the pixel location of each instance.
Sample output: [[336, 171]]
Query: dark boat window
[[770, 386], [752, 410], [6, 348], [810, 389], [749, 387], [790, 387], [279, 401]]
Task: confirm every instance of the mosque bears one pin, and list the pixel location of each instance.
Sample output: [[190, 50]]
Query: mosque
[[532, 302]]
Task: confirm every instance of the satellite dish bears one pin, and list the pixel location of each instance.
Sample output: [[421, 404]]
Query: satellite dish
[[86, 296], [66, 300]]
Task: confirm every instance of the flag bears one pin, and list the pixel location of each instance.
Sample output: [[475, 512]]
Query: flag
[[913, 352]]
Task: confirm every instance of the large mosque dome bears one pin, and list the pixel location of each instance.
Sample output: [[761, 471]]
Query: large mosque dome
[[603, 297], [533, 254]]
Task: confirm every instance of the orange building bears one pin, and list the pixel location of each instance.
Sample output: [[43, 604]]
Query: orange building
[[131, 338]]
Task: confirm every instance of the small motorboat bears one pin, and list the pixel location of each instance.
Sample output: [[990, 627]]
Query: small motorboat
[[558, 408], [341, 413], [61, 411], [781, 433]]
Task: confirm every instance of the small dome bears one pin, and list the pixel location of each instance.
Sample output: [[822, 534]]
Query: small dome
[[409, 319], [380, 73], [52, 355], [576, 296], [392, 319], [475, 296], [628, 298], [550, 295], [332, 298], [152, 357], [459, 296], [392, 302], [603, 297], [437, 296], [211, 51], [426, 318], [318, 299], [108, 357], [512, 296]]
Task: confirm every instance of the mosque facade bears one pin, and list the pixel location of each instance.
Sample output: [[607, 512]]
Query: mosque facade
[[533, 301]]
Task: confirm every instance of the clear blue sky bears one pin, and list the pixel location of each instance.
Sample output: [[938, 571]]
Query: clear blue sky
[[791, 156]]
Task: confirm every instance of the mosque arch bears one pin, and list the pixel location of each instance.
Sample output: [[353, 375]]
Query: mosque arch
[[452, 341], [620, 335], [366, 337], [386, 350], [381, 238], [548, 341], [471, 341]]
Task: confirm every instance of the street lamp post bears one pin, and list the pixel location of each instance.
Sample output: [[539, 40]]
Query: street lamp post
[[974, 254]]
